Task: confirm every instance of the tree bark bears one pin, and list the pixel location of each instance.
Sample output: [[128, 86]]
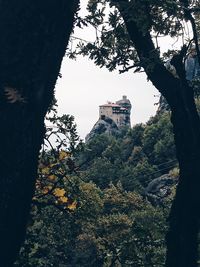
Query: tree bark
[[184, 217], [34, 35]]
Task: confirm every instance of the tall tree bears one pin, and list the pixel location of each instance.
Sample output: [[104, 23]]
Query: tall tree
[[34, 35], [119, 43]]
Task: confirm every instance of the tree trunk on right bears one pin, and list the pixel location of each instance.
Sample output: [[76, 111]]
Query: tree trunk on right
[[185, 212], [182, 238], [182, 243]]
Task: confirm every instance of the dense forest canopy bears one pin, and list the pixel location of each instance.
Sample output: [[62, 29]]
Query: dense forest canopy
[[87, 194]]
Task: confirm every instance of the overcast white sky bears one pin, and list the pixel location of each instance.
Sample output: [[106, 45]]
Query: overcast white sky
[[85, 86]]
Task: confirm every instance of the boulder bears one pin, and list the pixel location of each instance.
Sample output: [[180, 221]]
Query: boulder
[[160, 188]]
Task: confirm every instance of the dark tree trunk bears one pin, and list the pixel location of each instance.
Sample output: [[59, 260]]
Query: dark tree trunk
[[182, 243], [34, 35], [184, 217]]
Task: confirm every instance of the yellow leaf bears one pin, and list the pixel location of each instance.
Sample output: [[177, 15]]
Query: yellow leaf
[[52, 165], [63, 155], [72, 206], [52, 177], [58, 192], [46, 189], [63, 199], [45, 170]]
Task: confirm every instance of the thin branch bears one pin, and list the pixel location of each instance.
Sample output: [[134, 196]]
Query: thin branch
[[80, 39], [127, 69], [194, 29], [189, 16]]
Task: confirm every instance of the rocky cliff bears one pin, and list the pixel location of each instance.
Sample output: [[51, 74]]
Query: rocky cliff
[[103, 125]]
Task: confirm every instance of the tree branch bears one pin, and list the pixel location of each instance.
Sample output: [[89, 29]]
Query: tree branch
[[149, 56], [189, 16]]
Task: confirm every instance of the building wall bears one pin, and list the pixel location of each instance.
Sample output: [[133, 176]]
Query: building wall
[[116, 119], [119, 112], [105, 111]]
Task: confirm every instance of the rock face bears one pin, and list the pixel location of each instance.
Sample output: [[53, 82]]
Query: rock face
[[159, 188], [192, 67], [103, 125]]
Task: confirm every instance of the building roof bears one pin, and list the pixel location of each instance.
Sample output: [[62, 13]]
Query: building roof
[[110, 105]]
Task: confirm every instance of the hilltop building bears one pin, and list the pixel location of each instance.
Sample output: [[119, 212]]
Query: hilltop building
[[119, 112], [112, 117]]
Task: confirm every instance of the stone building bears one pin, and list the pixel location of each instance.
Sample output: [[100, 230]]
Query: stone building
[[119, 112], [112, 117]]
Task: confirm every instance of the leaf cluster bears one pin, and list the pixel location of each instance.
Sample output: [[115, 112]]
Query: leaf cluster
[[109, 226], [112, 47]]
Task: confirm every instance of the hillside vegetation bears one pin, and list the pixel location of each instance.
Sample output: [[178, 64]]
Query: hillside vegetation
[[134, 158], [90, 207]]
